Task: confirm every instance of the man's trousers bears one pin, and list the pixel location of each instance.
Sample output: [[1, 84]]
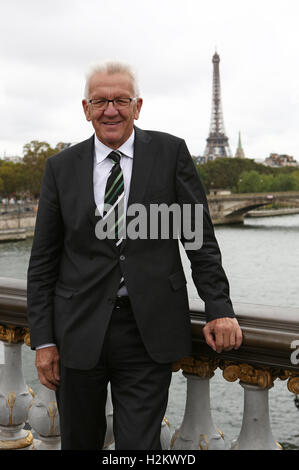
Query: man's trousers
[[139, 391]]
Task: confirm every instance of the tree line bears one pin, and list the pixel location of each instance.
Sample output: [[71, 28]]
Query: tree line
[[243, 175], [239, 175], [23, 179]]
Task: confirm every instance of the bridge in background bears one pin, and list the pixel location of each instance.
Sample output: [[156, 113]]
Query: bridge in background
[[232, 208]]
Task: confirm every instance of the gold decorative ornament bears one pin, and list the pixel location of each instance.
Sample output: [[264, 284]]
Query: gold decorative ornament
[[52, 410], [13, 334], [246, 373], [284, 374], [166, 421], [202, 366], [261, 376], [174, 438], [203, 442], [293, 385], [231, 372], [11, 398], [18, 443], [207, 366]]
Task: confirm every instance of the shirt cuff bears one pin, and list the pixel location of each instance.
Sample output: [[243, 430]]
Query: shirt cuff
[[45, 345]]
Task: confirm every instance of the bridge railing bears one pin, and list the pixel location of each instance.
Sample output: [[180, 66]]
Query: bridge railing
[[270, 351]]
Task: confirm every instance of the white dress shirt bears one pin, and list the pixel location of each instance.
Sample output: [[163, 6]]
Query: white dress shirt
[[102, 166], [101, 169]]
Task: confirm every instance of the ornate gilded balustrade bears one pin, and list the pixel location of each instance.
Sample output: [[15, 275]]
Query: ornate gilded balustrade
[[268, 352]]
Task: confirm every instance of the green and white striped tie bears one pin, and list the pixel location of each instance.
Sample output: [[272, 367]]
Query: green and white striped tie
[[114, 198]]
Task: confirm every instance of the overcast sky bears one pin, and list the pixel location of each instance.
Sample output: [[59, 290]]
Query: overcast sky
[[47, 46]]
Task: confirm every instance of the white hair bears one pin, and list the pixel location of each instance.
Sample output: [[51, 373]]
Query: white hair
[[111, 68]]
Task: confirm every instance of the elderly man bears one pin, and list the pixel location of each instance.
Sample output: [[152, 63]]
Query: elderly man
[[116, 309]]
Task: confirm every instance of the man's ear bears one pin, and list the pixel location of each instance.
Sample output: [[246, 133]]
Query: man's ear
[[86, 110], [138, 108]]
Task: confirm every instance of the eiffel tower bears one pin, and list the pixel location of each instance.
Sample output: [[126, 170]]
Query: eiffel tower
[[217, 142]]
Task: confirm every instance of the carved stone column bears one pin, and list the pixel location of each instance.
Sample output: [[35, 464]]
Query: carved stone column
[[256, 433], [43, 417], [198, 431], [15, 396], [165, 436]]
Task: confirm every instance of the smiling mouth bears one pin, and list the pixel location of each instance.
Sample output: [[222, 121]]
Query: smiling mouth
[[112, 123]]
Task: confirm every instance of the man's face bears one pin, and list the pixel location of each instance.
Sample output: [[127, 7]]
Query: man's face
[[112, 126]]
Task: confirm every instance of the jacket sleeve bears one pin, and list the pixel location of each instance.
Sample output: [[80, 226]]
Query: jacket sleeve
[[207, 272], [44, 262]]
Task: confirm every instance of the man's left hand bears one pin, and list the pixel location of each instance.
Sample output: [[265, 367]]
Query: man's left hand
[[223, 334]]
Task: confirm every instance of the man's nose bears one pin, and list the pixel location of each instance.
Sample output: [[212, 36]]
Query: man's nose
[[110, 110]]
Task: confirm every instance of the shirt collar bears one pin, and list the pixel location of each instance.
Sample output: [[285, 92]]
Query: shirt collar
[[102, 151]]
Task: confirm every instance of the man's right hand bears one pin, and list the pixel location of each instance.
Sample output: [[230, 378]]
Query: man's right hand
[[47, 364]]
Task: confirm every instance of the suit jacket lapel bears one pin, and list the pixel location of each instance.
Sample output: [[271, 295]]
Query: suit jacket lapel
[[142, 164], [84, 168]]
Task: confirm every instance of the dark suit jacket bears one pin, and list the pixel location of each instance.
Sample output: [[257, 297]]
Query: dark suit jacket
[[73, 277]]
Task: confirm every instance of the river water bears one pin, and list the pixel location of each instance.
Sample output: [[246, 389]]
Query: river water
[[261, 261]]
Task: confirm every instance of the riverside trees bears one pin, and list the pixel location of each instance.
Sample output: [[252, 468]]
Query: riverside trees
[[246, 176], [25, 177]]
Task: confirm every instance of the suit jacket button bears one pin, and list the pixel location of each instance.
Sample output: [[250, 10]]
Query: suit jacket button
[[122, 257]]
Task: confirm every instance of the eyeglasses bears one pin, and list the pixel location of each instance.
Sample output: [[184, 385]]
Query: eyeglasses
[[118, 103]]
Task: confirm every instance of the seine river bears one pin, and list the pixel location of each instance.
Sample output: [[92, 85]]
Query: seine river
[[261, 262]]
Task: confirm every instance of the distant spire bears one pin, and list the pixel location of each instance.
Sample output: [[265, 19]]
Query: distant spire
[[239, 143], [240, 151]]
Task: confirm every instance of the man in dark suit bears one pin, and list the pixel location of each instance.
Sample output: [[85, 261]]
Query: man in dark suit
[[116, 309]]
